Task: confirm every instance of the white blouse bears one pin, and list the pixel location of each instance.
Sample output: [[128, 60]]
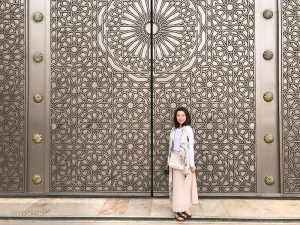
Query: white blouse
[[177, 140]]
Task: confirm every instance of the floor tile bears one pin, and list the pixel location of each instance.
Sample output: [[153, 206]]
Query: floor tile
[[156, 207], [11, 209], [114, 207], [18, 200], [264, 208], [213, 208], [83, 200], [161, 208], [288, 208], [133, 222], [139, 208], [49, 200], [76, 209], [40, 208], [238, 208], [196, 211]]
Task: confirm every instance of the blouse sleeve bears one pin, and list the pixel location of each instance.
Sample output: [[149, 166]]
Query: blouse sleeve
[[191, 146]]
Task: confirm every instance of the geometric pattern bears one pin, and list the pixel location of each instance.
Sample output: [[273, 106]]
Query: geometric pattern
[[100, 92], [125, 35], [12, 95], [290, 95], [100, 118], [218, 89]]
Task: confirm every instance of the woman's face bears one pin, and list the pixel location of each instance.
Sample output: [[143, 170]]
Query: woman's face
[[181, 118]]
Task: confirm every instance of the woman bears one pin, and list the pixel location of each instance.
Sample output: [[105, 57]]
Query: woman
[[182, 183]]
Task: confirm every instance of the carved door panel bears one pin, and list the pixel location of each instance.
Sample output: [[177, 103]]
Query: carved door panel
[[100, 108], [210, 70]]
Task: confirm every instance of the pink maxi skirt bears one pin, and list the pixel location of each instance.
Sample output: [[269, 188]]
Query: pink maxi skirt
[[184, 190]]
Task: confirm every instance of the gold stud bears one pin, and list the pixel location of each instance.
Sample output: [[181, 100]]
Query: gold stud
[[268, 138], [268, 96], [268, 14], [269, 180], [268, 55], [37, 17], [38, 57], [37, 98], [37, 179], [37, 138]]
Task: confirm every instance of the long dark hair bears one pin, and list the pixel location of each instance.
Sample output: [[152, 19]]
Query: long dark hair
[[187, 115]]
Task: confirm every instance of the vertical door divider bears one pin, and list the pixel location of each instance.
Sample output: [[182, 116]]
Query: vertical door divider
[[151, 91]]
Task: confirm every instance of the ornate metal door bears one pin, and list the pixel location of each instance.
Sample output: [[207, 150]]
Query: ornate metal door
[[94, 84], [212, 74]]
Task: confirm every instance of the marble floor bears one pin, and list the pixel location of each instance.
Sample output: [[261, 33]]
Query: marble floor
[[137, 223], [148, 210]]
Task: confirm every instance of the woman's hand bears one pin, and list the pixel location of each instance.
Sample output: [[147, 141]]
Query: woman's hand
[[193, 169], [167, 166]]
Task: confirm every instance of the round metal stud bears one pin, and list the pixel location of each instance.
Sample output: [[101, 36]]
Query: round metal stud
[[269, 180], [38, 57], [268, 55], [37, 17], [37, 98], [268, 14], [37, 138], [268, 96], [269, 138], [37, 179]]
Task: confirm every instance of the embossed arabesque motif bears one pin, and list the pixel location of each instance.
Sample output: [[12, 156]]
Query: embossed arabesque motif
[[125, 36], [100, 136], [290, 95], [12, 95], [219, 91]]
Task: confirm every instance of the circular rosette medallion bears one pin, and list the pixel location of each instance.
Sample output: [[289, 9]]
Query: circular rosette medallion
[[126, 34]]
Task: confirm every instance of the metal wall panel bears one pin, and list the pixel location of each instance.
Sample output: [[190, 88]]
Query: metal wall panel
[[12, 96], [204, 60], [290, 94], [37, 120], [267, 126]]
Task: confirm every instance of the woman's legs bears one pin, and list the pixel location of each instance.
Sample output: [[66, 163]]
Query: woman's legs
[[192, 193], [180, 198]]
